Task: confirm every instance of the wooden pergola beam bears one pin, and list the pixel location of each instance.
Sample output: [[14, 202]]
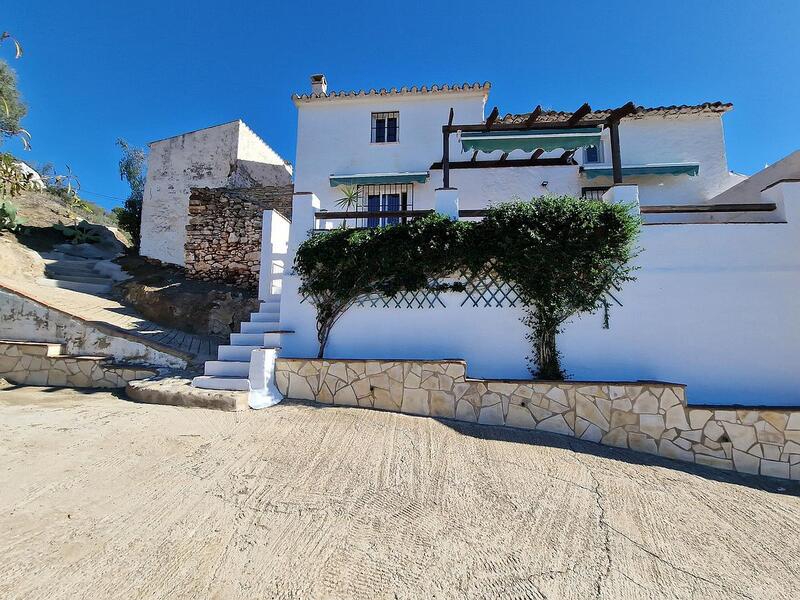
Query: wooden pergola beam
[[621, 112], [534, 115], [536, 154], [584, 110], [491, 118]]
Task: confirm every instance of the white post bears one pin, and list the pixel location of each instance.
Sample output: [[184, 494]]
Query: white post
[[447, 202], [263, 392], [624, 194], [274, 245], [296, 315], [304, 205]]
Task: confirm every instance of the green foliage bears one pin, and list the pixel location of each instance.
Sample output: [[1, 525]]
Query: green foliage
[[340, 265], [8, 216], [12, 108], [132, 170], [563, 254], [12, 178], [78, 234], [349, 199]]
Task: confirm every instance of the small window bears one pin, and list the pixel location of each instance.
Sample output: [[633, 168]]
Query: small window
[[385, 127], [593, 193], [593, 154]]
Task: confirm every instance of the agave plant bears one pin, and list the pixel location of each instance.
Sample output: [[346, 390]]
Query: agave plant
[[79, 234], [8, 216]]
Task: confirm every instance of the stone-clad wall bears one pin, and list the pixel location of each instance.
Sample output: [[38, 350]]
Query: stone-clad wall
[[223, 237], [28, 363], [643, 416]]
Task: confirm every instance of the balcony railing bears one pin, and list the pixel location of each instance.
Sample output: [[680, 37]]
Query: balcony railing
[[405, 215]]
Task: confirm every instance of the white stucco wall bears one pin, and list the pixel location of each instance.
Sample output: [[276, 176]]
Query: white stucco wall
[[224, 155], [333, 137], [715, 306]]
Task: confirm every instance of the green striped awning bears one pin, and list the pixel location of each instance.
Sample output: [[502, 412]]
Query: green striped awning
[[690, 169], [530, 140], [376, 178]]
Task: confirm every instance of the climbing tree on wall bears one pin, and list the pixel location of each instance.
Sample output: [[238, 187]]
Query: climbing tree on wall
[[562, 254]]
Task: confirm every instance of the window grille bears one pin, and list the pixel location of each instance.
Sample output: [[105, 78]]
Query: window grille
[[392, 197], [385, 127], [593, 193]]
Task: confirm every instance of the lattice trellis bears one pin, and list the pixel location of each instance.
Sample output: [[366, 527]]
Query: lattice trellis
[[486, 289], [417, 299], [429, 298]]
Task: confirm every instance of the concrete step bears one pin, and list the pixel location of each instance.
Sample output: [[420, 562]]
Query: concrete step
[[241, 353], [80, 278], [227, 368], [270, 317], [59, 267], [260, 327], [86, 288], [262, 340], [66, 259], [221, 383], [270, 307], [247, 339]]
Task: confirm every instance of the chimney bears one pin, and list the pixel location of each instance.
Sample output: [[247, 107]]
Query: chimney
[[318, 84]]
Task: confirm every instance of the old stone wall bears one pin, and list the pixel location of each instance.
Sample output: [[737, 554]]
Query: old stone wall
[[223, 237], [647, 417]]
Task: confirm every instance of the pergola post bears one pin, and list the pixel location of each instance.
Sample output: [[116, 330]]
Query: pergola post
[[616, 158], [446, 157], [446, 150]]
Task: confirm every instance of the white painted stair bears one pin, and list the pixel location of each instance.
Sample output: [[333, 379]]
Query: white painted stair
[[248, 362]]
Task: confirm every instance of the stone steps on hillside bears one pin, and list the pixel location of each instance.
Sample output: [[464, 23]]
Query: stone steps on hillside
[[86, 288], [79, 277]]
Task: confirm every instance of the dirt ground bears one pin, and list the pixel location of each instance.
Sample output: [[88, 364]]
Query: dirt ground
[[105, 498]]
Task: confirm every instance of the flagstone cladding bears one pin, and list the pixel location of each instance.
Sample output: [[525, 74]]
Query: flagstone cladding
[[644, 416], [34, 364]]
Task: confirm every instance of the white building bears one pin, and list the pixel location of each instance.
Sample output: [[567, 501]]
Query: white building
[[675, 154], [227, 155], [715, 305]]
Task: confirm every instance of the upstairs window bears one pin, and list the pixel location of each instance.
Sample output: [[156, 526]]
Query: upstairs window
[[385, 127], [593, 154]]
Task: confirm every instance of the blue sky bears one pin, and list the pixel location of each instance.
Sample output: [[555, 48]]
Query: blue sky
[[95, 71]]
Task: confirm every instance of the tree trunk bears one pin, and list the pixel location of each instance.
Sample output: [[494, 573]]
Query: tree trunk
[[547, 358], [323, 331]]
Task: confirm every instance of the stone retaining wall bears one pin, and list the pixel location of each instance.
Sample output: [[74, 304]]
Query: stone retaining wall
[[30, 364], [647, 417], [223, 237]]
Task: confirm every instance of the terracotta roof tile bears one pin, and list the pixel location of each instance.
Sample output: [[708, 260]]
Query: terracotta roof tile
[[552, 116], [403, 91]]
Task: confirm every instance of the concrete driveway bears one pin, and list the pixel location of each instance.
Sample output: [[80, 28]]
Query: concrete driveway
[[104, 498]]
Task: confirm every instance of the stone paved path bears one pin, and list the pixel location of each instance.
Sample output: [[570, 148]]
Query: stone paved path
[[105, 310], [103, 498]]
